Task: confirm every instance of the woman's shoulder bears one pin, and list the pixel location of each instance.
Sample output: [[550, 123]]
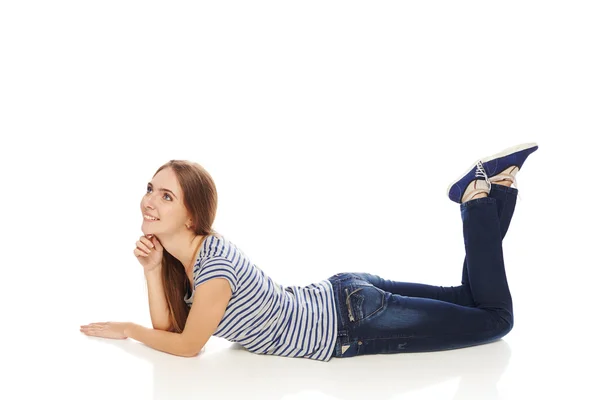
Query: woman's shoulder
[[218, 246], [215, 245]]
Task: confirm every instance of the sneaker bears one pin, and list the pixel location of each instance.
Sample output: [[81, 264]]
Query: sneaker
[[507, 163], [490, 169]]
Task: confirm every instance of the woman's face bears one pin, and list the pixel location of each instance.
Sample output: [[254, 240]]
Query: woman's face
[[164, 201]]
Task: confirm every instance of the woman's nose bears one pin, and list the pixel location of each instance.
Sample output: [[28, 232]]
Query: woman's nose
[[149, 203]]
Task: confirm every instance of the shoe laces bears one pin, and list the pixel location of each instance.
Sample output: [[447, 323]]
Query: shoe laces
[[480, 173]]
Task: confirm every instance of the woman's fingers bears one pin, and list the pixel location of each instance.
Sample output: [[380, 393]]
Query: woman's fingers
[[138, 253], [87, 329], [93, 328], [142, 247], [147, 242]]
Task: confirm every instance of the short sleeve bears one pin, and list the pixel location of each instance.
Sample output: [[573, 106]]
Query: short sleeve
[[216, 267]]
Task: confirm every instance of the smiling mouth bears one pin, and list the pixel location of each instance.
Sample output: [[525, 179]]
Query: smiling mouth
[[150, 219]]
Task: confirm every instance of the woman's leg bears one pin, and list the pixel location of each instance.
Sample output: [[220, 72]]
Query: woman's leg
[[506, 198], [380, 322]]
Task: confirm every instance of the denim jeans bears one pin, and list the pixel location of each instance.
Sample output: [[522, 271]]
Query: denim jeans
[[379, 316]]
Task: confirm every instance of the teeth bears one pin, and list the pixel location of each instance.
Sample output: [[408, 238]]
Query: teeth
[[150, 218]]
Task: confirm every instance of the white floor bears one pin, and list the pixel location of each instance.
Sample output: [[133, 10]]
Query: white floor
[[519, 366]]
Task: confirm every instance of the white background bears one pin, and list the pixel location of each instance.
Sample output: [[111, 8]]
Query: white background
[[332, 130]]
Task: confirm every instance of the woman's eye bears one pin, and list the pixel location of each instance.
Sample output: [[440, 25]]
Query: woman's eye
[[166, 194]]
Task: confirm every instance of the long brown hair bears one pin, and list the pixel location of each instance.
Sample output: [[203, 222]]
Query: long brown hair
[[200, 199]]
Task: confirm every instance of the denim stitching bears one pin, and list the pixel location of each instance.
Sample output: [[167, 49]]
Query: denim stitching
[[359, 303]]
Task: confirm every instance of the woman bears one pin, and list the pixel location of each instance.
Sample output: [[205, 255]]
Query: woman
[[200, 284]]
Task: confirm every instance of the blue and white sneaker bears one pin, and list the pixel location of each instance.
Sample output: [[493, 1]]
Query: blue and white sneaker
[[498, 167]]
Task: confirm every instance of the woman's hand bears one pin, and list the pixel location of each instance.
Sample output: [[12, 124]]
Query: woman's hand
[[110, 330], [149, 252]]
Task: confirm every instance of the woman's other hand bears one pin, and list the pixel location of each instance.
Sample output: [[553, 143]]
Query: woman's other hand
[[110, 330]]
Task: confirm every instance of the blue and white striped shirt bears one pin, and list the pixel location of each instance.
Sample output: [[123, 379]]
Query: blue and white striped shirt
[[262, 315]]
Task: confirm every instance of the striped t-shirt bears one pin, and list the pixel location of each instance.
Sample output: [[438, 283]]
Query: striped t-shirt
[[262, 315]]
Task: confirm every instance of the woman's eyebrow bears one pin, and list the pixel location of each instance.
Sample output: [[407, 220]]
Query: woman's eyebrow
[[164, 190]]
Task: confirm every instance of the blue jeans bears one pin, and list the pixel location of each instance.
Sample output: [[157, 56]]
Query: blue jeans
[[379, 316]]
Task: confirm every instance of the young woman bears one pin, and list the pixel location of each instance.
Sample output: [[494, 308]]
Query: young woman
[[201, 284]]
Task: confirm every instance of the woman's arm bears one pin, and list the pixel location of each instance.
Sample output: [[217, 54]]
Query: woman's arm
[[169, 342], [159, 311]]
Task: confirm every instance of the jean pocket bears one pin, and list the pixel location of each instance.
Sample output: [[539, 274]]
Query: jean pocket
[[363, 301]]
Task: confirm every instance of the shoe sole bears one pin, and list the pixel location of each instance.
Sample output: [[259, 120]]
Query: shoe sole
[[503, 153]]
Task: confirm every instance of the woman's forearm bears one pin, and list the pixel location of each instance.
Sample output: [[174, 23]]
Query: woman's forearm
[[169, 342], [159, 312]]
